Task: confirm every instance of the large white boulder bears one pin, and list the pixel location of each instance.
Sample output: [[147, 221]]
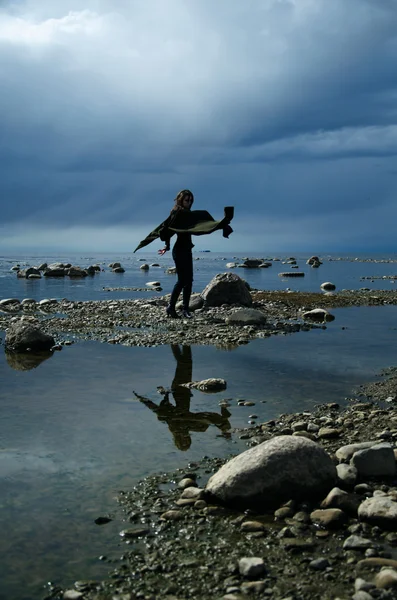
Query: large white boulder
[[283, 468]]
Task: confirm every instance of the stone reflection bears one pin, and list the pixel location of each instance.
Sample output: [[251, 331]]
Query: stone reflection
[[179, 418], [25, 361]]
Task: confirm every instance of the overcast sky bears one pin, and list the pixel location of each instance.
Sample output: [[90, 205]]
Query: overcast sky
[[286, 109]]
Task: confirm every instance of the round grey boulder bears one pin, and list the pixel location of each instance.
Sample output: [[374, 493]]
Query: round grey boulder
[[247, 316], [226, 288], [280, 469]]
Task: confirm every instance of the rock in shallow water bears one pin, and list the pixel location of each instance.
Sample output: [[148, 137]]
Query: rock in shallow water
[[206, 385], [22, 335]]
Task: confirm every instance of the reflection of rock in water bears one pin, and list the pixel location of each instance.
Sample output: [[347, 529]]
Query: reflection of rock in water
[[26, 360]]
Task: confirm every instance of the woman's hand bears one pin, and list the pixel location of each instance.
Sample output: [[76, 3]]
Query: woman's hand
[[162, 251]]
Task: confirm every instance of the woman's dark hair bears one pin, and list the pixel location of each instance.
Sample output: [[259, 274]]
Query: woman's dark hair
[[181, 196]]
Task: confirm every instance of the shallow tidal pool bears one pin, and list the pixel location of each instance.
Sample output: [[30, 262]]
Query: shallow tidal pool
[[72, 432]]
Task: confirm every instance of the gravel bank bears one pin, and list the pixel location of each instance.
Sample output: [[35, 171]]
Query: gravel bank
[[179, 548], [143, 322]]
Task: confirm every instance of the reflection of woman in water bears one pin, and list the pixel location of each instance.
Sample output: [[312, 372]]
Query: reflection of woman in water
[[178, 416]]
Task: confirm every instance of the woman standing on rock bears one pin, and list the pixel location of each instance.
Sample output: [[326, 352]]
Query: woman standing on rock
[[185, 223]]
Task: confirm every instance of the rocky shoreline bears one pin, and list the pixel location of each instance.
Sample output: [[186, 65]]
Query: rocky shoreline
[[179, 544]]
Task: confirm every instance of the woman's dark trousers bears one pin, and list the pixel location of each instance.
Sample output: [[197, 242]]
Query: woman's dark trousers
[[184, 269]]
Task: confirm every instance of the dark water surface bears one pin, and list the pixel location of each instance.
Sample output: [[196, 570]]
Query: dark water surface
[[72, 433]]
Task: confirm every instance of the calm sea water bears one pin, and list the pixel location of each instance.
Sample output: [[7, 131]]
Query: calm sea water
[[346, 274], [72, 433]]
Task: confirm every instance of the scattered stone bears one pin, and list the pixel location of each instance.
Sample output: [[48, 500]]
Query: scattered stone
[[249, 526], [319, 564], [338, 498], [361, 595], [172, 515], [345, 453], [347, 474], [376, 461], [253, 587], [386, 579], [328, 433], [379, 510], [102, 520], [362, 585], [134, 532], [193, 492], [318, 314], [9, 302], [377, 561], [186, 483], [329, 517], [355, 542], [76, 272], [206, 385], [246, 316], [314, 260], [72, 595], [251, 566]]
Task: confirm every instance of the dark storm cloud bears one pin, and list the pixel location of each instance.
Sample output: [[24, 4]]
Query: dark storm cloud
[[285, 108]]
